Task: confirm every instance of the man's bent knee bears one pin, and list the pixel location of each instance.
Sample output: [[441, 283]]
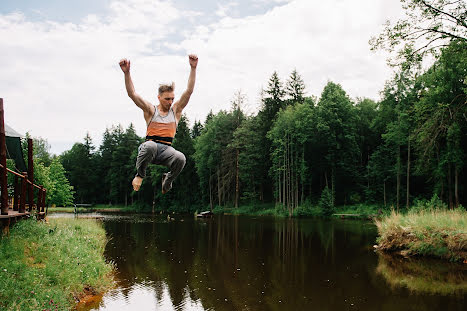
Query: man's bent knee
[[181, 158]]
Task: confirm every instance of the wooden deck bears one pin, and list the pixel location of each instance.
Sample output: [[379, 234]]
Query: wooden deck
[[14, 214]]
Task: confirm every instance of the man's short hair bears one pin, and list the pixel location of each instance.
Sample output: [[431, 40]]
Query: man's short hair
[[166, 88]]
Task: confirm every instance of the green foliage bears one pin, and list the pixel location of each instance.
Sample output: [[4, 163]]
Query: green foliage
[[326, 202], [425, 205], [59, 192], [309, 210], [217, 154], [79, 164], [295, 87], [41, 149], [427, 27]]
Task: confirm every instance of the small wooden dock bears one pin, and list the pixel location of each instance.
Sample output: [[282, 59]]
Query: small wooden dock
[[205, 214], [22, 203]]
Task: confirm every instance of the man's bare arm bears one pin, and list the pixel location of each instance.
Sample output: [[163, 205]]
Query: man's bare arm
[[138, 100], [183, 101]]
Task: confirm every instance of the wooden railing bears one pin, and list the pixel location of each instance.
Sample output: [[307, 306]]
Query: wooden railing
[[24, 185]]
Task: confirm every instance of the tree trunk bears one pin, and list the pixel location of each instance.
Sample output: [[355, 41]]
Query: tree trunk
[[450, 186], [408, 175], [278, 199], [154, 200], [219, 186], [384, 192], [261, 195], [293, 171], [237, 186], [303, 175], [398, 178], [210, 189], [456, 181], [284, 197], [289, 186], [441, 179], [296, 178], [326, 178], [368, 168], [332, 187]]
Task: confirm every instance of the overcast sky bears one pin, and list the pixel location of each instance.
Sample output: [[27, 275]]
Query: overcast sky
[[60, 76]]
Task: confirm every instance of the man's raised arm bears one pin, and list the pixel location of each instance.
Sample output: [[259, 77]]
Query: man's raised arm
[[138, 100], [183, 101]]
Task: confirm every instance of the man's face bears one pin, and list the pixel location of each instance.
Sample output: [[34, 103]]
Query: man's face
[[166, 99]]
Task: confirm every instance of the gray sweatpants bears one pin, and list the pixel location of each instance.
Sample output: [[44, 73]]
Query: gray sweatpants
[[152, 152]]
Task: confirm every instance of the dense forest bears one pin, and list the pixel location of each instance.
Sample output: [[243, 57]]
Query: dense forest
[[303, 150]]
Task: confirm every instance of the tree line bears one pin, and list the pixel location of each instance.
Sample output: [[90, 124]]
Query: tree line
[[300, 150]]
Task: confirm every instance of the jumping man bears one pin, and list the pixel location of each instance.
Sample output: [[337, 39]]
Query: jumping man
[[161, 121]]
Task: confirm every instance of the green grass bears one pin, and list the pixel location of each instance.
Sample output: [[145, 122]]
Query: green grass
[[94, 208], [438, 233], [305, 210], [251, 210], [48, 266], [363, 210]]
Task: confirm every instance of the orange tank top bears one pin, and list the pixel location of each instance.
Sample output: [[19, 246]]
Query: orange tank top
[[161, 129]]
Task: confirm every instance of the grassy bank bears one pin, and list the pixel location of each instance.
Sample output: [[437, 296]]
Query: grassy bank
[[51, 266], [251, 210], [95, 208], [440, 233], [363, 211]]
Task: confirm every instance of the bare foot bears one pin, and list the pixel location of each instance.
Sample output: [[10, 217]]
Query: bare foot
[[137, 181]]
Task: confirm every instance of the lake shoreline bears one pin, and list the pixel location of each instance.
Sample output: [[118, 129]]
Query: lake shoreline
[[437, 233], [53, 264], [357, 211]]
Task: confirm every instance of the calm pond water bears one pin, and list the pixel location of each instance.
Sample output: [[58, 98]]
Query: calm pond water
[[246, 263]]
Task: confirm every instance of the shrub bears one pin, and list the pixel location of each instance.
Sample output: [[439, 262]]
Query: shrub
[[326, 202], [426, 205]]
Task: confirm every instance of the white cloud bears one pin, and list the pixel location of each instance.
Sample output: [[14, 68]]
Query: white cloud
[[60, 80], [223, 9], [323, 40]]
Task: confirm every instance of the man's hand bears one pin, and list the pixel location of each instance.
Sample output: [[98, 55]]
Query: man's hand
[[193, 59], [125, 65]]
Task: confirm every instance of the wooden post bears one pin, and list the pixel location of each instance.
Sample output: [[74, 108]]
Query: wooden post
[[39, 200], [16, 194], [24, 191], [44, 193], [3, 171], [30, 175]]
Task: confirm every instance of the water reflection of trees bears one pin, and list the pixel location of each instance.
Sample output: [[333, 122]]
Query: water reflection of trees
[[234, 263], [423, 275]]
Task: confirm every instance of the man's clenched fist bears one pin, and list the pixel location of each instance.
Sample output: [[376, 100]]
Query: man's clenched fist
[[193, 60], [125, 65]]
